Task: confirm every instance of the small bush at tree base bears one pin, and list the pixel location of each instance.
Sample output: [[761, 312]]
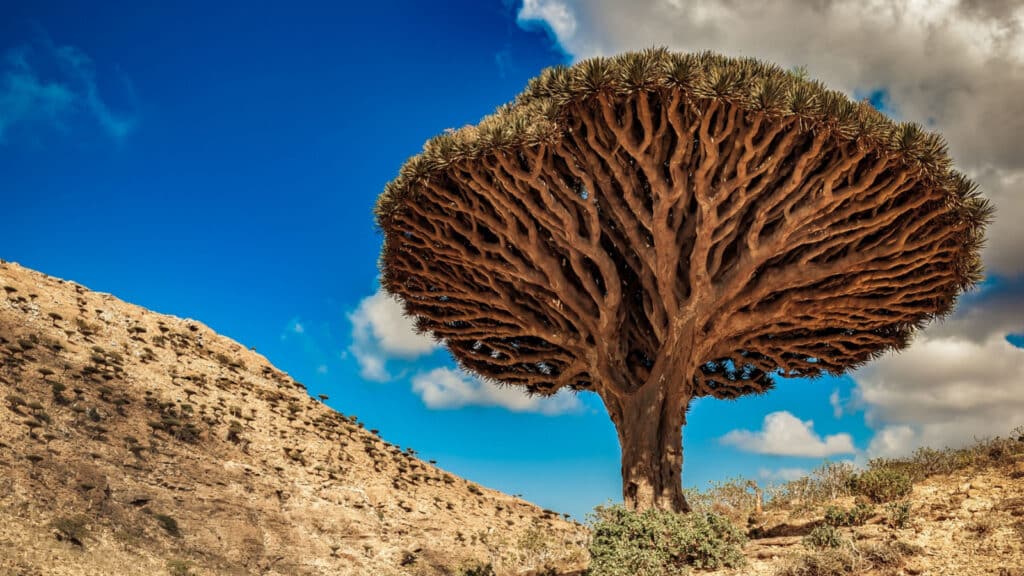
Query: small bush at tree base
[[882, 484], [660, 543]]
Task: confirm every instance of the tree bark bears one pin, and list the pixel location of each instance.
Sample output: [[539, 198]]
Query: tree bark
[[649, 423]]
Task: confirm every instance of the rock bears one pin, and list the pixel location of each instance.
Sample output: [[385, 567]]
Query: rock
[[913, 568]]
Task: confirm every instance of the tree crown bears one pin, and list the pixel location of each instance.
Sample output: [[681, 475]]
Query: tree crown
[[569, 237]]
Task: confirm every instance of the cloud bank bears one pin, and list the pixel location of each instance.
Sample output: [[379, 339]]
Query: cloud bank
[[783, 434], [380, 330], [961, 379]]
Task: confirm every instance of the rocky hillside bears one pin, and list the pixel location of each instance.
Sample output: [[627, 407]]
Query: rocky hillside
[[969, 522], [137, 443]]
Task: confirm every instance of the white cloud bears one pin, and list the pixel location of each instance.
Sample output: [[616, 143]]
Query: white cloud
[[444, 388], [298, 328], [896, 440], [784, 434], [955, 65], [24, 96], [554, 13], [380, 330]]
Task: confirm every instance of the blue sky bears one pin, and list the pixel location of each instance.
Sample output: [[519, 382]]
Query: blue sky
[[220, 162]]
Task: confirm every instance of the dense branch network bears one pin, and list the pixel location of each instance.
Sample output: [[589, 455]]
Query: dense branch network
[[725, 227]]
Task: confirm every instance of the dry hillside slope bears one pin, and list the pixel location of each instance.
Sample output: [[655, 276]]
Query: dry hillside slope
[[137, 443]]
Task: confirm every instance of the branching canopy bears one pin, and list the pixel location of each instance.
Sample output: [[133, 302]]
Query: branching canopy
[[656, 214]]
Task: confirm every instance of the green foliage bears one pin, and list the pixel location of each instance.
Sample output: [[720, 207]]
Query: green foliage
[[179, 568], [170, 525], [481, 569], [537, 115], [824, 536], [897, 514], [235, 430], [14, 401], [856, 516], [882, 484], [660, 543]]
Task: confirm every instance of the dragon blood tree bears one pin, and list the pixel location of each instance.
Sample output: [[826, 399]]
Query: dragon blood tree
[[657, 227]]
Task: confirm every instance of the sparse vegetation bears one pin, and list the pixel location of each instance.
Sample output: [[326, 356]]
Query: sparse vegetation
[[829, 481], [882, 484], [481, 569], [926, 462], [849, 560], [169, 524], [179, 568]]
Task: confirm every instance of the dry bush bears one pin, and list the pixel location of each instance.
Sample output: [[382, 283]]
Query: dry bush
[[849, 559], [829, 481], [982, 527], [984, 452], [733, 498]]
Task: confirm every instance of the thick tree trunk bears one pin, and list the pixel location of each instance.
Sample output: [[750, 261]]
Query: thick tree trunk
[[649, 423]]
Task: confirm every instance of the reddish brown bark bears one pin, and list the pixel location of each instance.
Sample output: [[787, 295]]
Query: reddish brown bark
[[649, 424]]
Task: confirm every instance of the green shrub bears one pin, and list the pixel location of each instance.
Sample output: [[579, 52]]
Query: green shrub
[[478, 570], [824, 536], [897, 514], [659, 543], [170, 525], [856, 516], [882, 484], [178, 568]]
